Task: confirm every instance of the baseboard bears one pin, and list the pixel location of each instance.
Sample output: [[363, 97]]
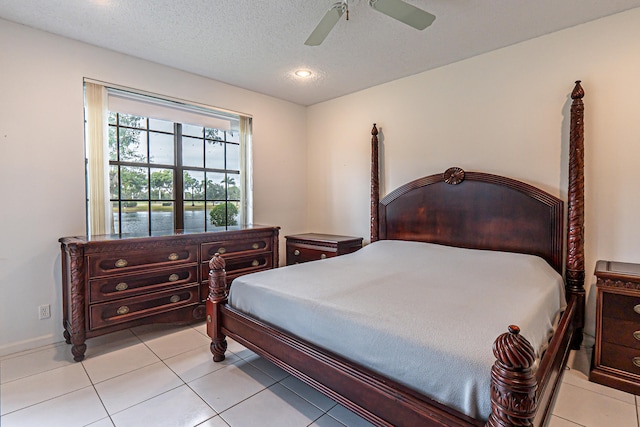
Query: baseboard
[[30, 344]]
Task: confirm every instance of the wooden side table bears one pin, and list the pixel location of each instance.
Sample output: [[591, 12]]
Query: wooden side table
[[315, 246], [616, 354]]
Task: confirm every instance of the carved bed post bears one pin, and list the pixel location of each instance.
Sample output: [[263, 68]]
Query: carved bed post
[[217, 297], [375, 184], [575, 228], [513, 383]]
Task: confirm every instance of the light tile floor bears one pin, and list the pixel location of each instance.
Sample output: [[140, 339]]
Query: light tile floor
[[164, 376]]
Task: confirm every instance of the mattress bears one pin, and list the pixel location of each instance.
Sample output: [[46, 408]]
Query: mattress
[[422, 314]]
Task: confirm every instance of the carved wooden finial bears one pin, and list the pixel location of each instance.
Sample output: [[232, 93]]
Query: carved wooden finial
[[513, 383], [375, 184], [578, 92], [217, 262], [217, 279], [512, 350]]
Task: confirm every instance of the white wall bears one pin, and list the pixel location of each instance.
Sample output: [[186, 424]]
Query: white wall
[[505, 112], [42, 161]]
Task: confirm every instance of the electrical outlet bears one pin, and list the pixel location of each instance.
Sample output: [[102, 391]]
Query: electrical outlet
[[44, 311]]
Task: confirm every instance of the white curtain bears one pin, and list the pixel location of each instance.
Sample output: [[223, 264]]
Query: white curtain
[[246, 189], [97, 136]]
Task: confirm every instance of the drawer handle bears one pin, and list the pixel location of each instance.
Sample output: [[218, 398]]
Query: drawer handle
[[255, 263], [636, 361], [222, 250], [323, 256], [296, 252], [255, 245], [173, 277], [122, 286], [122, 310], [175, 298], [636, 335], [173, 256], [121, 263], [637, 308]]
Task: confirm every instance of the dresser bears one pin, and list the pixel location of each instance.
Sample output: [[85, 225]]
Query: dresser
[[315, 246], [616, 353], [116, 282]]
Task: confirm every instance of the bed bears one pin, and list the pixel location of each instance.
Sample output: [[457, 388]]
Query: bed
[[452, 214]]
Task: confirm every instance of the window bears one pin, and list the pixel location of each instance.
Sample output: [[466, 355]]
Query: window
[[169, 169]]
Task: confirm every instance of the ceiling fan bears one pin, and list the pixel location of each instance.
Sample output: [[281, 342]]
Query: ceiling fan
[[397, 9]]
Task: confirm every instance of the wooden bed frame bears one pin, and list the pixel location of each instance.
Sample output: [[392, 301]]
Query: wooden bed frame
[[465, 209]]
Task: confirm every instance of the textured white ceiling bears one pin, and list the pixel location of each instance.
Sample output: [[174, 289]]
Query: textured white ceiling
[[257, 44]]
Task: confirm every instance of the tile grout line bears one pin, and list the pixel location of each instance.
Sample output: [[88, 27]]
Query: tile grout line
[[600, 393], [97, 394], [47, 400], [568, 420]]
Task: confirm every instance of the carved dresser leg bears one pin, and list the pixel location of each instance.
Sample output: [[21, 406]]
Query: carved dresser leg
[[217, 297], [78, 352], [513, 384], [77, 336]]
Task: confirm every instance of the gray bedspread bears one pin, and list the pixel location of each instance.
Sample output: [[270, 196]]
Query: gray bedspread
[[424, 315]]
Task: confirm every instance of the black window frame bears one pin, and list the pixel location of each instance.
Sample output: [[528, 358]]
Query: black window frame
[[179, 170]]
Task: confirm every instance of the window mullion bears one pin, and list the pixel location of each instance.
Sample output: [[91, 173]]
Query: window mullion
[[149, 194], [178, 178]]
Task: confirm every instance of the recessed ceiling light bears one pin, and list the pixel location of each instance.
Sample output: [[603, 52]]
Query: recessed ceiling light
[[303, 73]]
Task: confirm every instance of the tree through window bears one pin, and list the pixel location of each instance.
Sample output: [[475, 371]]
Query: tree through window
[[168, 175], [156, 165]]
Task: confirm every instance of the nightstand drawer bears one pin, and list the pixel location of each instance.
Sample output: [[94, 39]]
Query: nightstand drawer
[[621, 332], [127, 309], [118, 262], [299, 253], [623, 307], [622, 358], [109, 288]]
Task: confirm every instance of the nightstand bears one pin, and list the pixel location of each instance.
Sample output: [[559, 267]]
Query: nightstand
[[616, 353], [315, 246]]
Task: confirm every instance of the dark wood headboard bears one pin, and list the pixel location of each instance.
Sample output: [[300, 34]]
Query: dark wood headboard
[[478, 211], [483, 211]]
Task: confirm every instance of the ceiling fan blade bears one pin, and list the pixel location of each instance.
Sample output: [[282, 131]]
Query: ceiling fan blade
[[404, 12], [329, 20]]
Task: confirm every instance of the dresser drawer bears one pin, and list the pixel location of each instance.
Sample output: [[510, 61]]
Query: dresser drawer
[[623, 307], [123, 286], [620, 357], [231, 247], [127, 309], [301, 253], [117, 263], [238, 265]]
